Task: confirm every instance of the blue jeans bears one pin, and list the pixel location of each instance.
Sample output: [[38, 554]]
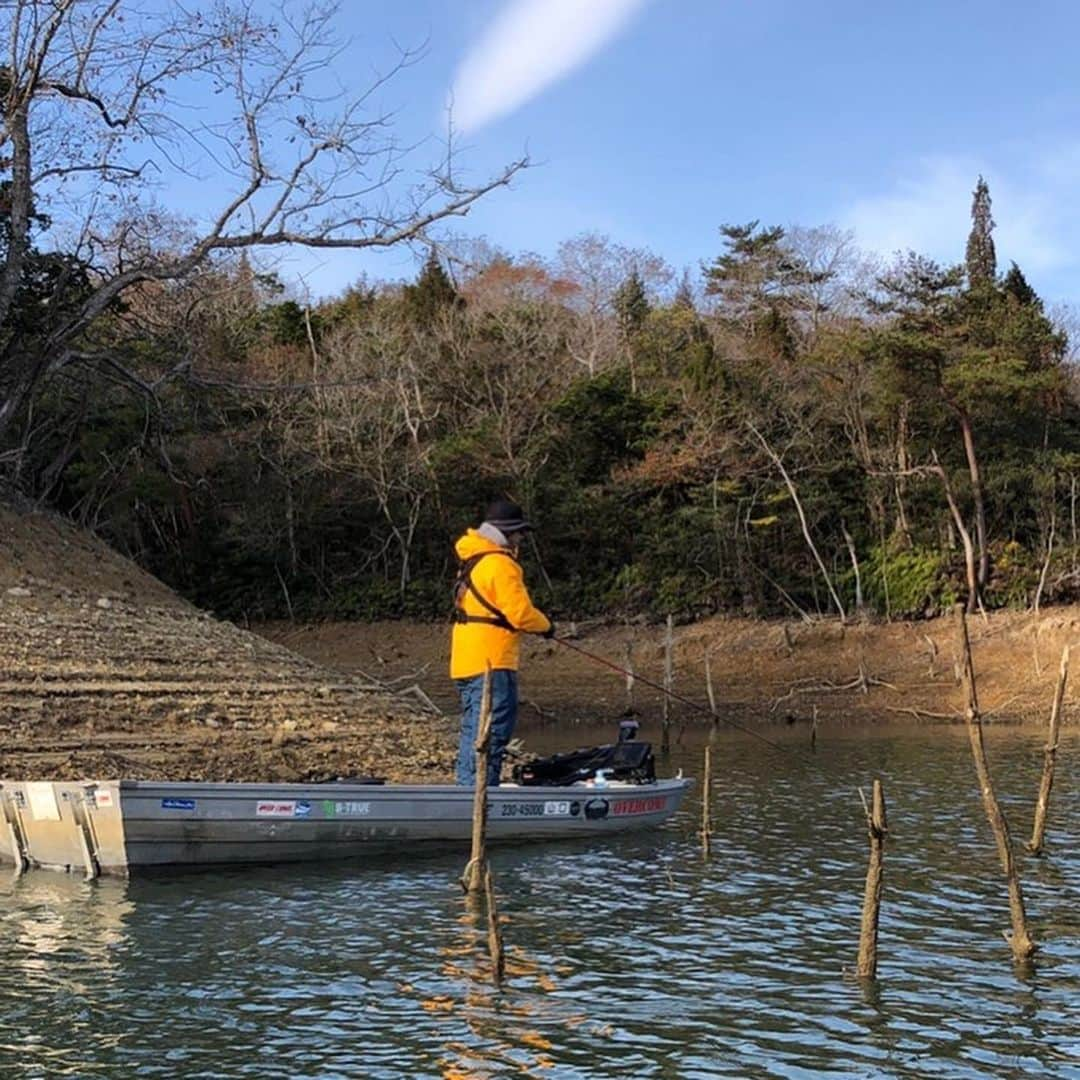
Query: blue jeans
[[504, 705]]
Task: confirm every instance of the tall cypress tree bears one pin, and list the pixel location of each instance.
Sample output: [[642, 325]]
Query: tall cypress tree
[[980, 257]]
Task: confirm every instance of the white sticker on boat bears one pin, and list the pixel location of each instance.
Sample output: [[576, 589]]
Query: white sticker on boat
[[271, 808], [103, 797], [42, 799], [526, 809], [557, 808]]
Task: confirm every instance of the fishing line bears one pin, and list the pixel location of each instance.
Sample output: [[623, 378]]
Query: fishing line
[[671, 694]]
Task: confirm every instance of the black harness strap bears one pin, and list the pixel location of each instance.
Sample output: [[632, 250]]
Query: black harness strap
[[465, 582]]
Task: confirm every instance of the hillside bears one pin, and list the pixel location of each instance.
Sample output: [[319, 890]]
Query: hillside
[[106, 672]]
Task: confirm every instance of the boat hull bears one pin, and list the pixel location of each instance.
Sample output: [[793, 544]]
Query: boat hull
[[115, 827]]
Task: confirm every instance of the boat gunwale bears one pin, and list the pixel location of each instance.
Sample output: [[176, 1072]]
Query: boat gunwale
[[246, 788]]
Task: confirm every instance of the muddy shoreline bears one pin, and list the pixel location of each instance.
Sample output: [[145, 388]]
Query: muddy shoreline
[[764, 671]]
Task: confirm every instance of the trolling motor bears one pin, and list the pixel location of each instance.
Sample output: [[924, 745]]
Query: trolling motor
[[627, 760]]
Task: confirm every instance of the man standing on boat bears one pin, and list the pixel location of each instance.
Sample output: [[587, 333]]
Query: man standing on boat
[[491, 610]]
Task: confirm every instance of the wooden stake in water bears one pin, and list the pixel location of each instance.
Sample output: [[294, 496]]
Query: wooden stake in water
[[709, 687], [1035, 844], [813, 731], [472, 880], [495, 942], [669, 650], [706, 804], [1019, 941], [877, 827]]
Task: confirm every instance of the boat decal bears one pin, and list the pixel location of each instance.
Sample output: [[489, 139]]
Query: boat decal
[[103, 798], [274, 808], [639, 806], [596, 809], [551, 808], [345, 809], [303, 809], [177, 804]]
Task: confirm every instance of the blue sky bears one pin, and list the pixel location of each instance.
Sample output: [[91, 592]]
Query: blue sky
[[661, 119]]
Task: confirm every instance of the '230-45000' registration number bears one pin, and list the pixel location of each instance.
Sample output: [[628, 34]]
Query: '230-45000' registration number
[[551, 808]]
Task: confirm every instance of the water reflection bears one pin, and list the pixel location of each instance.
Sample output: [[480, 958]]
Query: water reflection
[[628, 958], [62, 941]]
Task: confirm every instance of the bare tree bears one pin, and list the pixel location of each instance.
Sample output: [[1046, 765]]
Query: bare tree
[[106, 106], [367, 417], [510, 362], [777, 460], [597, 267], [839, 273]]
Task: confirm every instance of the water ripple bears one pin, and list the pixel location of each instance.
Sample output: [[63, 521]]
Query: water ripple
[[635, 958]]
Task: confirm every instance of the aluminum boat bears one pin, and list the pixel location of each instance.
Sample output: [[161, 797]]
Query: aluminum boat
[[120, 826]]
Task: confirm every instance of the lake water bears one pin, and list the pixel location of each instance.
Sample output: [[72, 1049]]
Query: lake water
[[630, 957]]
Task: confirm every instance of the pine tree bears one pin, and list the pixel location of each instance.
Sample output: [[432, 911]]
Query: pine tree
[[980, 257], [631, 304], [759, 275]]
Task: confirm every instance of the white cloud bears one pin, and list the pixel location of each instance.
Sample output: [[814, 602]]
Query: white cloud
[[531, 44], [927, 210]]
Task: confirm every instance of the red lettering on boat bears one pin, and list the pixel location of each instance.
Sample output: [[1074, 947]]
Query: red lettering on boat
[[639, 806]]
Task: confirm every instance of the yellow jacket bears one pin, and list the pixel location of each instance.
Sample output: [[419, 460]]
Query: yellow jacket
[[499, 579]]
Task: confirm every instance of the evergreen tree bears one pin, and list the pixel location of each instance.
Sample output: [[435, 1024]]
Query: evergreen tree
[[989, 356], [980, 257], [432, 294], [631, 304], [684, 294], [1016, 286], [759, 279]]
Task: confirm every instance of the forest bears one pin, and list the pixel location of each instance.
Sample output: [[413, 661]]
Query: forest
[[793, 427]]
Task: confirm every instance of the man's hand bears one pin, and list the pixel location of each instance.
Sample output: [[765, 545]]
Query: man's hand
[[549, 633]]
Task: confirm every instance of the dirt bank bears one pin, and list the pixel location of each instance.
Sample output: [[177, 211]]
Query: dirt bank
[[105, 672], [763, 672]]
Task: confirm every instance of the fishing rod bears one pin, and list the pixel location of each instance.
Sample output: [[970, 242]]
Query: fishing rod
[[670, 693]]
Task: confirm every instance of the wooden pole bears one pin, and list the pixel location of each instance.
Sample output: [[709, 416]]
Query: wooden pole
[[1035, 845], [961, 645], [813, 731], [472, 880], [709, 687], [877, 827], [706, 804], [669, 649], [495, 942], [1019, 941]]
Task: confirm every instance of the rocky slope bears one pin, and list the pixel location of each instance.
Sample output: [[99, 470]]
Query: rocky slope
[[105, 672]]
